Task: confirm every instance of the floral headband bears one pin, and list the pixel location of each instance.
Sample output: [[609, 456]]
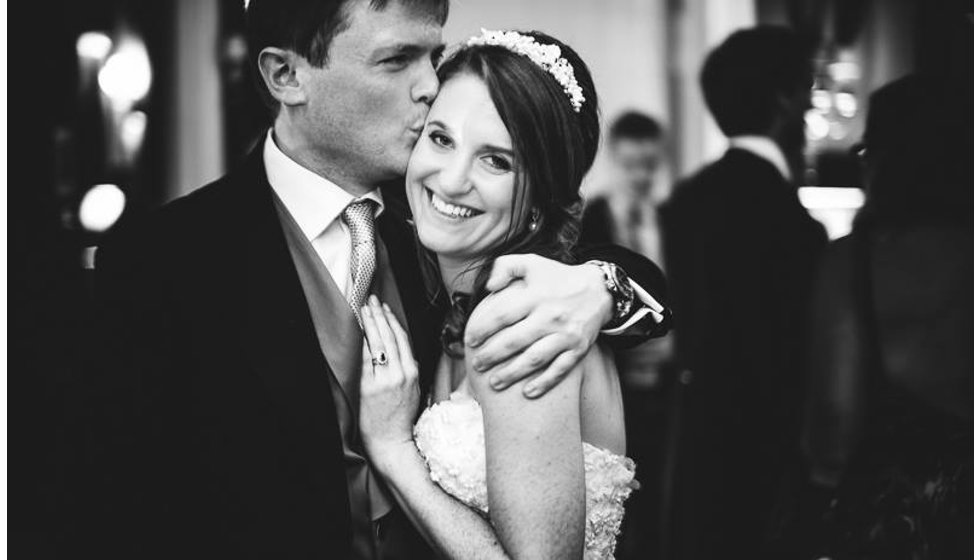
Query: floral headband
[[547, 57]]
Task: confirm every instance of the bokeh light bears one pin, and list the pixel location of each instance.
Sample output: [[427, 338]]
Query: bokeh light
[[844, 71], [93, 45], [131, 131], [817, 126], [126, 76], [847, 104], [101, 207], [820, 98], [849, 198]]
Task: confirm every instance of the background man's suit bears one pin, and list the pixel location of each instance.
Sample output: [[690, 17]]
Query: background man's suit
[[218, 390], [740, 254]]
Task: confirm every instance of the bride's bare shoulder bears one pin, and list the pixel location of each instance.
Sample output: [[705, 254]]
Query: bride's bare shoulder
[[603, 422]]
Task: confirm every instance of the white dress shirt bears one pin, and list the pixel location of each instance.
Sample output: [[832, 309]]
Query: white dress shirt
[[764, 147], [316, 204]]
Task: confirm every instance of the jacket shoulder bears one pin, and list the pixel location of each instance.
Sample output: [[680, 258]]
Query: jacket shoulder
[[738, 179], [696, 189], [188, 220]]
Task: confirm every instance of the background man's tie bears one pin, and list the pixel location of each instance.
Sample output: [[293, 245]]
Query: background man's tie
[[359, 217]]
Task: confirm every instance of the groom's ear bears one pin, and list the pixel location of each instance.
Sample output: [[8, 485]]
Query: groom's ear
[[278, 69]]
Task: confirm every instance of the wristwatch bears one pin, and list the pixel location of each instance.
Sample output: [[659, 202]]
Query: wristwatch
[[619, 287]]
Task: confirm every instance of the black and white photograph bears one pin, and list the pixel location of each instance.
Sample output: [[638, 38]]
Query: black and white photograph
[[460, 279]]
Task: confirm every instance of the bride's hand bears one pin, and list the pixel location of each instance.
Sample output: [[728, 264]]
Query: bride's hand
[[389, 382]]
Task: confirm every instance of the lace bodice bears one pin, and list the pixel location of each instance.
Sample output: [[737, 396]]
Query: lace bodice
[[449, 435]]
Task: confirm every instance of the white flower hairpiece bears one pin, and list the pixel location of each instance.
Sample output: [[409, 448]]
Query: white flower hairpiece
[[547, 57]]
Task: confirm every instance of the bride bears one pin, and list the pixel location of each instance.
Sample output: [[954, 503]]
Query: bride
[[496, 171]]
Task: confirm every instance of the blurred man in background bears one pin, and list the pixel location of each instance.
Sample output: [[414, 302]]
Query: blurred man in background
[[741, 251], [625, 212]]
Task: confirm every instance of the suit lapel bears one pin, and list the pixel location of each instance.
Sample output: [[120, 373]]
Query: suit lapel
[[336, 327]]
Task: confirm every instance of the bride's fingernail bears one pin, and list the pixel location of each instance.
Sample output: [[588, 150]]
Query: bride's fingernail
[[532, 391]]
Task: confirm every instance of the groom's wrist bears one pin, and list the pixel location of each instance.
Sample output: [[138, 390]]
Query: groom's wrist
[[618, 301]]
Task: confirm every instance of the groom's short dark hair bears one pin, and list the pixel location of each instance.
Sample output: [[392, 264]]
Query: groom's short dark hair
[[307, 27]]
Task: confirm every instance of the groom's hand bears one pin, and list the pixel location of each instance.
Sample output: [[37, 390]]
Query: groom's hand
[[540, 319]]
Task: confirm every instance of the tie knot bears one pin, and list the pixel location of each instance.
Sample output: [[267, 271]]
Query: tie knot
[[360, 211], [359, 217]]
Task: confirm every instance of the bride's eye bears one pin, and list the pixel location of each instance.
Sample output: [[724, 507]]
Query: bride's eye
[[498, 163], [440, 139]]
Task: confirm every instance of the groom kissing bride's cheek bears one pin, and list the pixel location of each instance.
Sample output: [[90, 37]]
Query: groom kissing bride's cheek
[[377, 336]]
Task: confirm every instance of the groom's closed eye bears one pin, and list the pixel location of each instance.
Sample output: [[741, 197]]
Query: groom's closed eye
[[400, 56], [399, 60], [396, 57]]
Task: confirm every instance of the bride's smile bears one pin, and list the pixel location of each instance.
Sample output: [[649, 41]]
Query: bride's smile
[[450, 210]]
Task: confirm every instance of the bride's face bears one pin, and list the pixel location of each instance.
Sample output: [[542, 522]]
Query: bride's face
[[461, 176]]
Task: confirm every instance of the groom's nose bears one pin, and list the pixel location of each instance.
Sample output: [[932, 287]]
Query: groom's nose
[[426, 86]]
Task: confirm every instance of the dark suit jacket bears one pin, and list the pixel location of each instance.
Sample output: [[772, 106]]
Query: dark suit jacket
[[740, 253], [219, 436]]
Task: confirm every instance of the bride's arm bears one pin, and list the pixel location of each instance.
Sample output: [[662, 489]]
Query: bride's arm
[[389, 399], [535, 468], [450, 527]]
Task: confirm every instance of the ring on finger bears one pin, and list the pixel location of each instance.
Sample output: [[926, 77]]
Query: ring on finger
[[379, 359]]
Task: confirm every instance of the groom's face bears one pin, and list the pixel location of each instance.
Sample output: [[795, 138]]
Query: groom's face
[[369, 102]]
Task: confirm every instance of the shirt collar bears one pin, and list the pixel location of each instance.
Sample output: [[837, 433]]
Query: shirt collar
[[765, 148], [313, 201]]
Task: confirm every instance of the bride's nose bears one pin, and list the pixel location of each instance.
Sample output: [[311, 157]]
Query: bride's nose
[[454, 179]]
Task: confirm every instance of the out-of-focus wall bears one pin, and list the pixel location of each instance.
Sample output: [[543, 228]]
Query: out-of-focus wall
[[699, 26], [622, 41], [196, 146]]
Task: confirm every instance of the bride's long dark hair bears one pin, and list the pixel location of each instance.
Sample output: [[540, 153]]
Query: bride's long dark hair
[[554, 147]]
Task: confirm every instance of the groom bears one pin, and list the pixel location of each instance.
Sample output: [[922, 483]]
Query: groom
[[231, 351]]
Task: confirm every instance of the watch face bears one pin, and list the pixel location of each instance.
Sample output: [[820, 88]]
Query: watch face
[[623, 281], [622, 292]]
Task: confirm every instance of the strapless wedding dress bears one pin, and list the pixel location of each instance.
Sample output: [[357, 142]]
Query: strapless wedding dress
[[449, 434]]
